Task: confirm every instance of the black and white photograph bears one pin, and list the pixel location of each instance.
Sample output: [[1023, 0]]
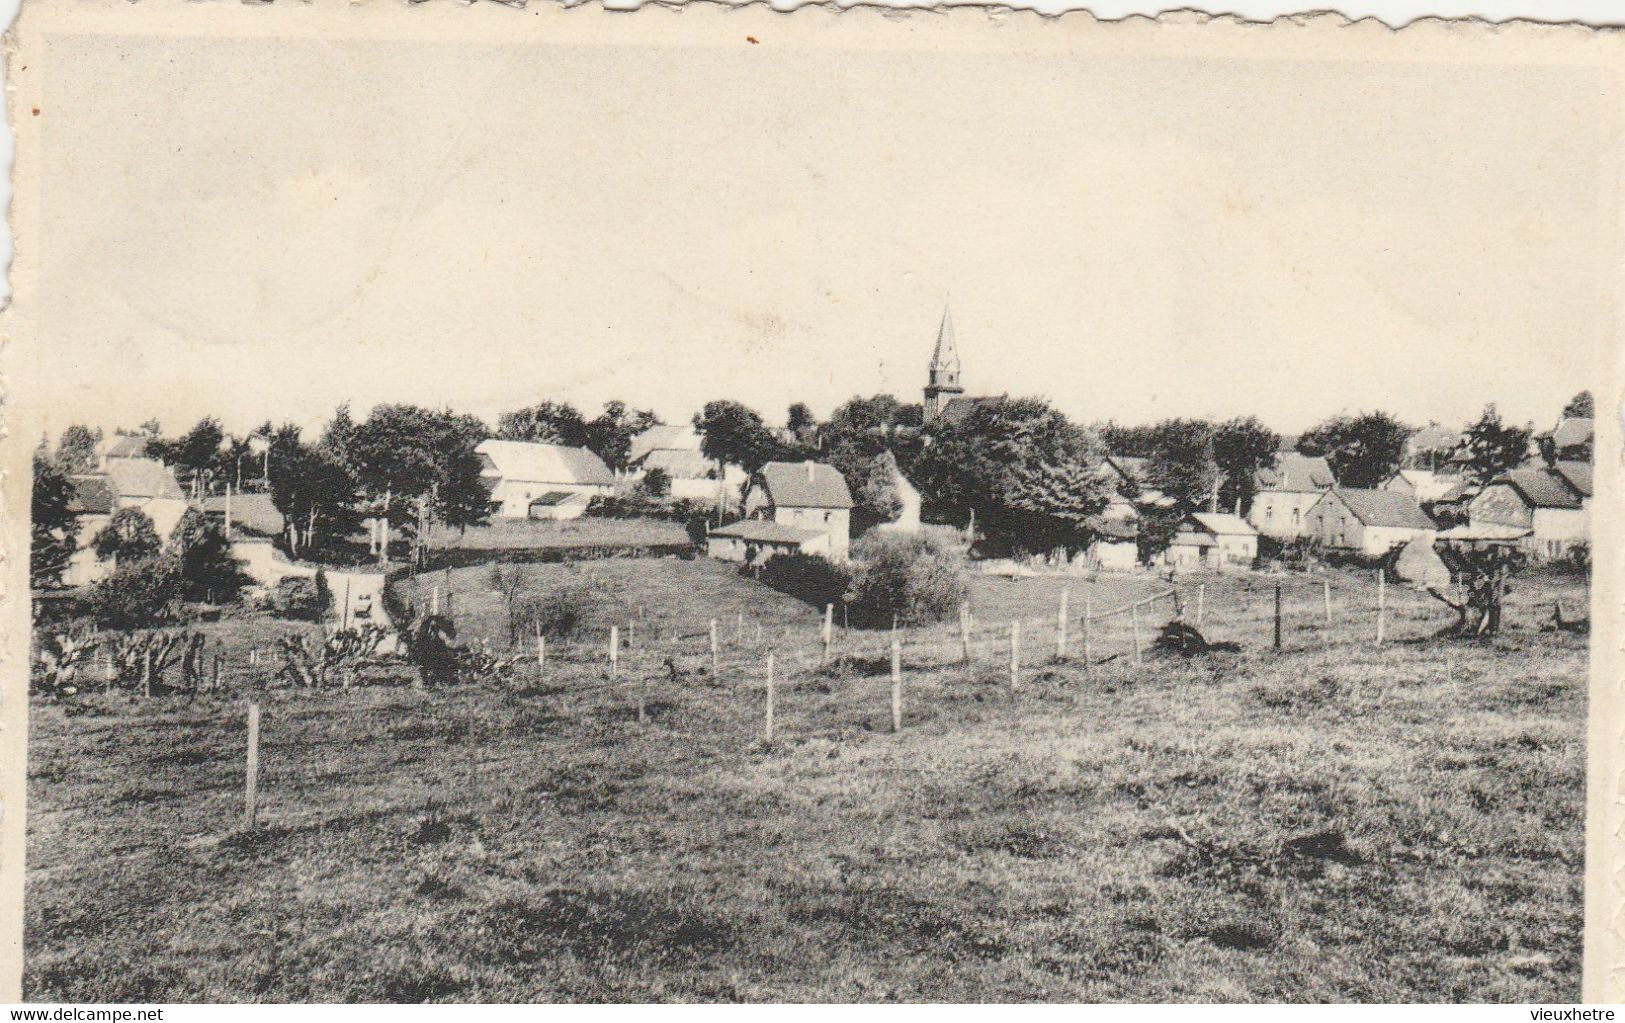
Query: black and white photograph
[[535, 504]]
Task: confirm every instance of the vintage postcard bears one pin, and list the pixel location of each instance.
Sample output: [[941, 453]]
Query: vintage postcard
[[710, 504]]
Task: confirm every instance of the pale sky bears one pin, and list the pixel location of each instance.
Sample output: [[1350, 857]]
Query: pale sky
[[485, 226]]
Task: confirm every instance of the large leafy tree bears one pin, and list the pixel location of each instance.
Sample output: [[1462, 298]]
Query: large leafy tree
[[312, 488], [861, 429], [610, 434], [55, 529], [1128, 441], [1362, 449], [76, 448], [546, 422], [1241, 447], [207, 569], [801, 422], [731, 433], [1492, 447], [195, 453], [1182, 461], [1021, 468], [128, 536]]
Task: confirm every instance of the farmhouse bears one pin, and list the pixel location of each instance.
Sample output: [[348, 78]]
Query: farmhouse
[[143, 483], [807, 496], [676, 451], [1212, 540], [1286, 491], [541, 481], [1372, 522], [1553, 504], [753, 541]]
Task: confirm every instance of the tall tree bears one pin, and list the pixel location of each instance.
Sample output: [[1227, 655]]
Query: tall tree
[[1241, 447], [55, 529], [1181, 461], [1581, 406], [799, 420], [1363, 449], [312, 488], [76, 448], [546, 422], [610, 434], [1021, 468], [128, 536], [862, 428], [730, 433], [1127, 441], [1492, 447], [207, 568]]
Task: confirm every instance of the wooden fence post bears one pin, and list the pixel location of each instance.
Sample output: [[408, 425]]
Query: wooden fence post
[[1382, 602], [1088, 612], [714, 669], [1326, 599], [1060, 628], [541, 653], [1134, 616], [614, 650], [214, 684], [1277, 617], [739, 628], [1015, 654], [829, 628], [964, 634], [251, 793], [768, 731], [896, 686], [344, 617], [434, 600]]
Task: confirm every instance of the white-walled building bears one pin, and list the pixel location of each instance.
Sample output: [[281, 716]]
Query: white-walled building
[[676, 451], [1371, 522], [1286, 491], [1212, 540], [805, 495], [1553, 504], [541, 481]]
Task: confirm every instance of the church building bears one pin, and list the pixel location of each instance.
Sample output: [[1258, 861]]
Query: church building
[[944, 397]]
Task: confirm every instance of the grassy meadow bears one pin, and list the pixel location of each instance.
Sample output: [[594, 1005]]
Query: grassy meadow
[[1336, 821]]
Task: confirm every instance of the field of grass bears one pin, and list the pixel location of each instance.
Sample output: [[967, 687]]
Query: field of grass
[[1334, 822]]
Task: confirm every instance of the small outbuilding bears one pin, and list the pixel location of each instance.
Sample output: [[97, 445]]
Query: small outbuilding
[[1212, 540], [753, 541], [541, 481]]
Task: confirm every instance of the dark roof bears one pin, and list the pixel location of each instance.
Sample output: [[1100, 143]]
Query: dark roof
[[554, 498], [958, 409], [92, 495], [1542, 488], [792, 485], [250, 513], [765, 531], [1572, 432], [1384, 508], [1295, 473], [1576, 475]]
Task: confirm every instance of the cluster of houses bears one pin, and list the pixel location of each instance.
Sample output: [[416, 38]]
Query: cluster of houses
[[806, 507]]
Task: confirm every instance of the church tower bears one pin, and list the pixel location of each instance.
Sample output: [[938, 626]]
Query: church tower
[[942, 380]]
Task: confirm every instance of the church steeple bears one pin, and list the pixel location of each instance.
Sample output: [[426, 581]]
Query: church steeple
[[942, 378]]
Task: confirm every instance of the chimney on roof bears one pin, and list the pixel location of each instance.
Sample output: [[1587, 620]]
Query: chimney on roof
[[810, 465]]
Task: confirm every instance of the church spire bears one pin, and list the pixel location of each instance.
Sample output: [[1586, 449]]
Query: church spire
[[942, 379]]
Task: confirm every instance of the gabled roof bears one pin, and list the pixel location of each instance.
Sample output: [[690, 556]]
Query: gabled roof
[[1296, 473], [143, 477], [125, 446], [805, 485], [1572, 431], [250, 513], [1542, 488], [678, 464], [959, 409], [92, 495], [524, 462], [664, 438], [766, 531], [1224, 524], [1384, 508], [1576, 475]]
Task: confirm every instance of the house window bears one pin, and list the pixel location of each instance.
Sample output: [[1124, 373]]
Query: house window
[[1269, 513]]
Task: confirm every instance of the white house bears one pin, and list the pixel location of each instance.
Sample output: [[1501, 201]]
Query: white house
[[1286, 491], [143, 483], [1553, 504], [541, 481], [806, 495], [1212, 540], [1372, 522], [675, 450]]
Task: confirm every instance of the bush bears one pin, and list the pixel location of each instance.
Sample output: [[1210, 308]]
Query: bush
[[209, 572], [559, 611], [300, 598], [140, 594], [1577, 558], [656, 483], [806, 577], [915, 578]]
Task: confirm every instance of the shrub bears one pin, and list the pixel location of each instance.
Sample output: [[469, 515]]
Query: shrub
[[208, 570], [656, 483], [300, 598], [1577, 558], [129, 535], [140, 594], [806, 577], [558, 611], [913, 577]]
